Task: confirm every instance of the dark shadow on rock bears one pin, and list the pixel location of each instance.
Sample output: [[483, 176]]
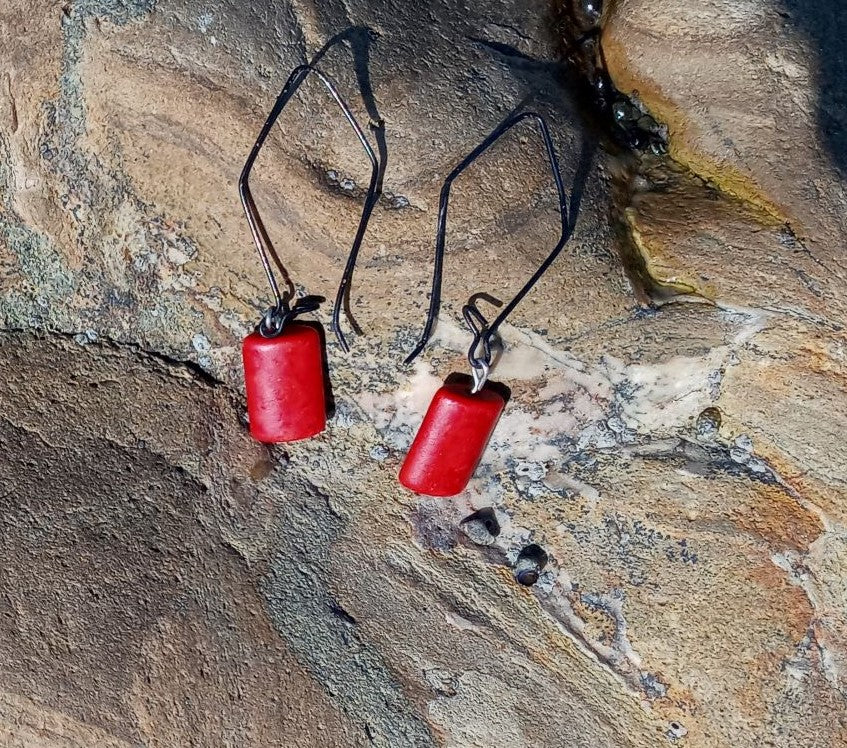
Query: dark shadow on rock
[[824, 22], [329, 397], [554, 89], [359, 39]]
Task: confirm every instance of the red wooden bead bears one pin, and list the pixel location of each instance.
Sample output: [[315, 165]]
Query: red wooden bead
[[451, 440], [284, 378]]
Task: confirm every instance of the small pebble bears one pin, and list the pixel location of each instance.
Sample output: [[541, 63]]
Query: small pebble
[[587, 13], [531, 562], [646, 122], [658, 147], [481, 527], [636, 139], [623, 111], [708, 424]]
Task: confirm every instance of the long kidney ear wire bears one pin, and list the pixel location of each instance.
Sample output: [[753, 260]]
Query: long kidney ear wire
[[480, 353], [462, 416], [277, 317]]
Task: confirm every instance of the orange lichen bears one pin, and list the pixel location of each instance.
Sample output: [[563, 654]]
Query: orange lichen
[[779, 519]]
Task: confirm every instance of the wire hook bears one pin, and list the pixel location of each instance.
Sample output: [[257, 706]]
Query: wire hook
[[278, 316], [483, 332], [478, 324]]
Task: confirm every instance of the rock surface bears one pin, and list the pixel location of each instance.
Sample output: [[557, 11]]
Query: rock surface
[[748, 99], [167, 581]]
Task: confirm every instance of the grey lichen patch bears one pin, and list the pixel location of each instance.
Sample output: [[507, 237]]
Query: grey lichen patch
[[131, 281], [710, 457], [41, 298], [633, 544], [297, 598], [115, 11], [38, 261], [341, 183]]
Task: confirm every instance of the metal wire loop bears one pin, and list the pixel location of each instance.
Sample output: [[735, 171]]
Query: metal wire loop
[[275, 319], [480, 353], [271, 323], [264, 245], [484, 333]]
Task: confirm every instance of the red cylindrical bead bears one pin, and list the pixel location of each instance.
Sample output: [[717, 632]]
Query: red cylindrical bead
[[451, 440], [284, 378]]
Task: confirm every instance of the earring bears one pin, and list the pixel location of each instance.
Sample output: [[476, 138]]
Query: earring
[[463, 414], [284, 359]]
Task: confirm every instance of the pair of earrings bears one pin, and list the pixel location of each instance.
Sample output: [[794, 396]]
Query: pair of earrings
[[284, 358]]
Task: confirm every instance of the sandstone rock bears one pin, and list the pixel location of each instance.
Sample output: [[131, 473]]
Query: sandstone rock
[[756, 234], [167, 581], [749, 99]]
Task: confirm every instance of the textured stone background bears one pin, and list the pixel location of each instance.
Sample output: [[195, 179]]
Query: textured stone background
[[674, 441]]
